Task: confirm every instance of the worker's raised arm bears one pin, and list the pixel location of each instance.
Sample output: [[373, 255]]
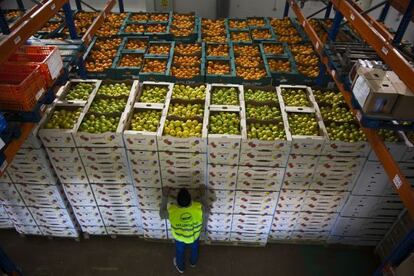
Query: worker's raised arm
[[164, 203]]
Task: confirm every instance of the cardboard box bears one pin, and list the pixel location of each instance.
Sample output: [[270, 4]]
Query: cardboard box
[[304, 88], [362, 227], [259, 224], [248, 237], [330, 162], [9, 195], [221, 157], [372, 180], [221, 236], [194, 161], [300, 162], [88, 216], [27, 229], [94, 156], [136, 156], [155, 234], [375, 96], [340, 148], [114, 194], [276, 235], [397, 151], [211, 87], [291, 200], [263, 158], [324, 201], [66, 232], [120, 215], [20, 215], [372, 206], [70, 173], [149, 198], [41, 195], [402, 108], [252, 202], [260, 178], [52, 216], [125, 230]]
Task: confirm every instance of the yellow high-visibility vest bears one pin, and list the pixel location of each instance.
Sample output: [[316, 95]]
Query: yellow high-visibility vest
[[186, 223]]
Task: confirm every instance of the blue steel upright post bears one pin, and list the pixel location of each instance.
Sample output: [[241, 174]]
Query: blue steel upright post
[[328, 10], [20, 4], [384, 12], [286, 11], [121, 5], [4, 26], [333, 32], [69, 21], [404, 23], [78, 5]]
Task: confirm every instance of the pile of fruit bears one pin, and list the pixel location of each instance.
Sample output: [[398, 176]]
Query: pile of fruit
[[99, 123], [348, 132], [306, 59], [63, 118], [182, 72], [182, 25], [136, 44], [83, 20], [389, 136], [224, 123], [135, 28], [273, 49], [218, 67], [50, 27], [260, 96], [247, 61], [140, 17], [279, 65], [186, 111], [290, 39], [308, 70], [114, 90], [213, 30], [110, 105], [217, 50], [336, 114], [153, 94], [251, 73], [303, 124], [240, 36], [281, 23], [246, 50], [191, 61], [328, 97], [80, 91], [12, 15], [102, 54], [187, 92], [156, 28], [159, 17], [256, 22], [267, 132], [260, 34], [183, 128], [145, 120], [237, 24], [263, 112], [187, 49], [159, 49], [225, 96], [131, 60], [285, 31], [304, 49], [154, 65], [111, 25], [295, 97]]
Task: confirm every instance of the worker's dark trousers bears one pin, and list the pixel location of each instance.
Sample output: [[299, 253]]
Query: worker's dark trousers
[[180, 253]]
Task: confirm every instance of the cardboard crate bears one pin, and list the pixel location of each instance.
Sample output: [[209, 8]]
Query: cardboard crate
[[155, 234], [220, 236], [41, 195], [66, 232], [291, 200], [79, 194], [88, 216], [63, 155], [95, 156], [331, 162], [313, 221], [33, 175], [259, 224], [243, 237], [372, 206], [265, 158], [372, 180], [397, 151], [70, 173], [64, 90], [213, 86], [309, 109], [220, 201], [195, 161], [360, 227], [310, 235], [114, 194], [20, 215], [260, 203], [52, 216], [124, 231], [151, 219], [340, 148], [136, 156], [146, 177], [219, 222], [260, 178], [324, 201], [359, 241], [27, 229], [149, 198], [120, 215], [9, 195], [222, 173], [284, 220], [108, 139], [275, 235], [220, 157]]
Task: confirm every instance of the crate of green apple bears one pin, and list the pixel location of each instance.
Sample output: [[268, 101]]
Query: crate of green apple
[[394, 141], [225, 94], [184, 123], [58, 126], [77, 91], [296, 97], [142, 127], [154, 92], [106, 116], [260, 94]]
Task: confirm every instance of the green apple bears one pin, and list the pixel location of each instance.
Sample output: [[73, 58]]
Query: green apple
[[224, 123]]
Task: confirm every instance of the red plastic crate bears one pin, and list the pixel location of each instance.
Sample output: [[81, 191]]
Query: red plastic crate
[[21, 86], [47, 57]]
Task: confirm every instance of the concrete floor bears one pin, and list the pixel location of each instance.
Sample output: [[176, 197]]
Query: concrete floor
[[132, 256]]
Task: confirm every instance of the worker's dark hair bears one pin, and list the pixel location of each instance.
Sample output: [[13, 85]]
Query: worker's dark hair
[[183, 198]]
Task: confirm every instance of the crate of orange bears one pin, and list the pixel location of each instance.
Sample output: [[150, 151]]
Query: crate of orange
[[132, 28], [188, 63], [21, 86], [127, 65], [160, 49], [100, 56], [137, 17], [158, 31], [283, 70], [47, 57], [155, 69], [220, 70], [237, 24], [275, 49], [184, 28], [134, 44], [262, 34]]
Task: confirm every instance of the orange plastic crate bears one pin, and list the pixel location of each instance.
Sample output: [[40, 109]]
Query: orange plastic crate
[[21, 86], [44, 56]]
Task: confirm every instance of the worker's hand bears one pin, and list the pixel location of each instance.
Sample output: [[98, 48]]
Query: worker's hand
[[202, 188], [166, 191]]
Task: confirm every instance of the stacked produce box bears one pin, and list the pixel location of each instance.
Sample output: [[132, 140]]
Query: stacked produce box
[[33, 197], [263, 157], [140, 136]]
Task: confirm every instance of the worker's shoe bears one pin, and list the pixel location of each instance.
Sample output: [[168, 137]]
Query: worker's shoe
[[192, 265], [176, 266]]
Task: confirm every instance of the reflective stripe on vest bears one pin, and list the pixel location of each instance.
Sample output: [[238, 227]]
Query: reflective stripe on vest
[[186, 223]]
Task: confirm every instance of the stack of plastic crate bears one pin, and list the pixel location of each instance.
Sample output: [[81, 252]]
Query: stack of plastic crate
[[182, 157], [142, 150]]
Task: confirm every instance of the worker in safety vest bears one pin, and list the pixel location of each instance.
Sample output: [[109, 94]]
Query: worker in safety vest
[[186, 219]]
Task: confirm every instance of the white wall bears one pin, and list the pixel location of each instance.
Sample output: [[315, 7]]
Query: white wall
[[203, 8]]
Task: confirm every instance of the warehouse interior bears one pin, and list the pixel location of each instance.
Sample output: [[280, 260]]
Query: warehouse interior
[[278, 135]]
